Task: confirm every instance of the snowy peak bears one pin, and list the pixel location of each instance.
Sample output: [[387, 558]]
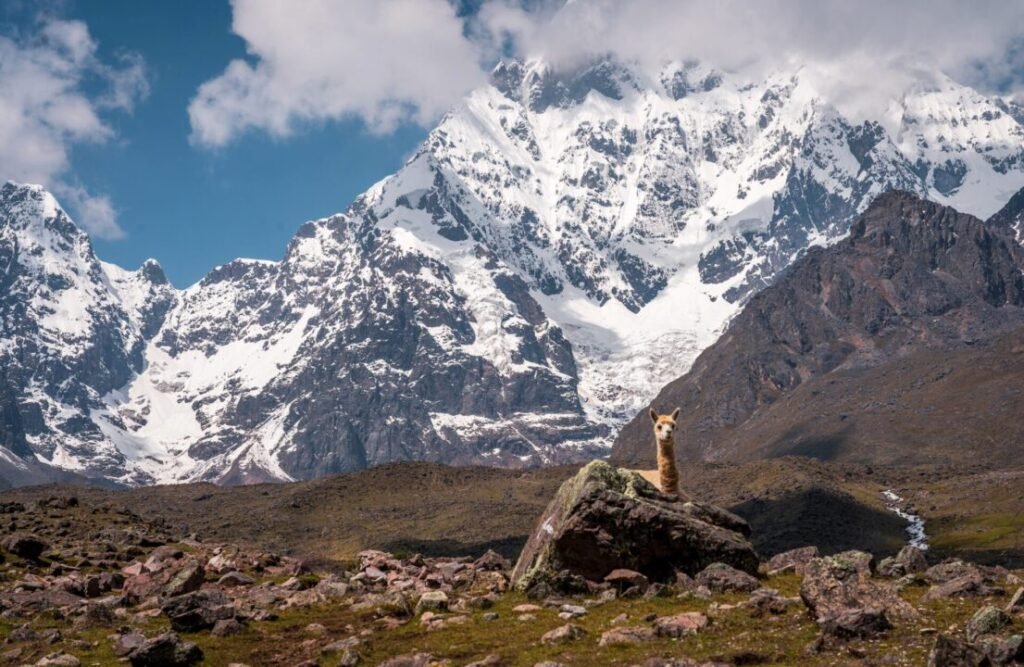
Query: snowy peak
[[539, 87], [74, 330], [510, 296], [1010, 218]]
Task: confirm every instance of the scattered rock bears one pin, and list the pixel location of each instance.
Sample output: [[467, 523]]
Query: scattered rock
[[793, 560], [235, 579], [488, 661], [197, 611], [768, 601], [24, 545], [985, 621], [722, 578], [626, 635], [526, 608], [1002, 651], [563, 634], [409, 660], [341, 645], [950, 569], [623, 579], [861, 623], [349, 658], [59, 659], [968, 585], [226, 627], [910, 560], [432, 601], [128, 641], [186, 580], [680, 625], [572, 610], [492, 561], [166, 650], [949, 652], [1016, 603], [845, 601], [608, 518], [96, 614]]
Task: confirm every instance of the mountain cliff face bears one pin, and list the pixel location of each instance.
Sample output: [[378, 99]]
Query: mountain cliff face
[[913, 278], [561, 244], [74, 330]]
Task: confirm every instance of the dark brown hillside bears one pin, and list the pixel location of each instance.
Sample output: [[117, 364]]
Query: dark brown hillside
[[913, 276], [956, 405]]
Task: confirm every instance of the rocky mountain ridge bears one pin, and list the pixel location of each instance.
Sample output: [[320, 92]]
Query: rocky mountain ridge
[[510, 296], [913, 278]]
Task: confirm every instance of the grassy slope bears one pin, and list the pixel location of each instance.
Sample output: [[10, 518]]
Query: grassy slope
[[439, 510]]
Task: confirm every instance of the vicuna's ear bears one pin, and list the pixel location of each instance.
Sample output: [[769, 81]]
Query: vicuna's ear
[[675, 414], [654, 415]]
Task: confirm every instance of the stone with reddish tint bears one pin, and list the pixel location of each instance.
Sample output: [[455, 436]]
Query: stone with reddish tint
[[680, 625]]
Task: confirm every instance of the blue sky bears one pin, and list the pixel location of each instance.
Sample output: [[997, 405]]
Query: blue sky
[[197, 131], [191, 207]]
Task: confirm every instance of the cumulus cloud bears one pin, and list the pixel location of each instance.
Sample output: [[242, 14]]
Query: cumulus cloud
[[860, 55], [385, 61], [45, 110], [733, 34], [388, 61], [94, 213]]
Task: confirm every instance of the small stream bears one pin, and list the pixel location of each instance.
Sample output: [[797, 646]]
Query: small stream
[[916, 536]]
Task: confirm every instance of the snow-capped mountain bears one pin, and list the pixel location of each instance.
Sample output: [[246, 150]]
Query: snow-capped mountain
[[74, 329], [561, 245]]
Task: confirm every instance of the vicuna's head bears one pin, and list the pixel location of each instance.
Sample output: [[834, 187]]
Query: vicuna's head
[[664, 425]]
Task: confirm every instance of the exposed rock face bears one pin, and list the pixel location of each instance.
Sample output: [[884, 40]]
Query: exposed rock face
[[25, 545], [167, 650], [910, 560], [499, 300], [1010, 218], [198, 610], [606, 518], [913, 275], [950, 652], [794, 560], [720, 577], [986, 621], [845, 600], [72, 330]]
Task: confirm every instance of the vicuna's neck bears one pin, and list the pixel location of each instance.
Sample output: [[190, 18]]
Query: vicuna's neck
[[667, 472]]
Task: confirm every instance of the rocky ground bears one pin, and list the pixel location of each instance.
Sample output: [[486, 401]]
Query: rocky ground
[[96, 583]]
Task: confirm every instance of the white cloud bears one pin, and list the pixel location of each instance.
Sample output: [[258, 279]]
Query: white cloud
[[94, 213], [384, 61], [45, 110], [387, 61], [734, 33]]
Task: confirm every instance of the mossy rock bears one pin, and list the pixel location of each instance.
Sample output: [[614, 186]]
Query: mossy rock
[[606, 518]]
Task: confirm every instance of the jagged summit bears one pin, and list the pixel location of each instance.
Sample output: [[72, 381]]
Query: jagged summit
[[1011, 216], [511, 296], [914, 279]]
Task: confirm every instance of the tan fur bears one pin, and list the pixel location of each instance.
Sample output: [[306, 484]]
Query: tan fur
[[668, 473]]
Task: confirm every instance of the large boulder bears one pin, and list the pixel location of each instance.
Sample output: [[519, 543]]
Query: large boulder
[[607, 518], [24, 545], [950, 652], [846, 601], [197, 611], [167, 650]]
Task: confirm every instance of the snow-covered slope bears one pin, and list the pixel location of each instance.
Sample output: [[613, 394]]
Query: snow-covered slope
[[74, 328], [562, 245]]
